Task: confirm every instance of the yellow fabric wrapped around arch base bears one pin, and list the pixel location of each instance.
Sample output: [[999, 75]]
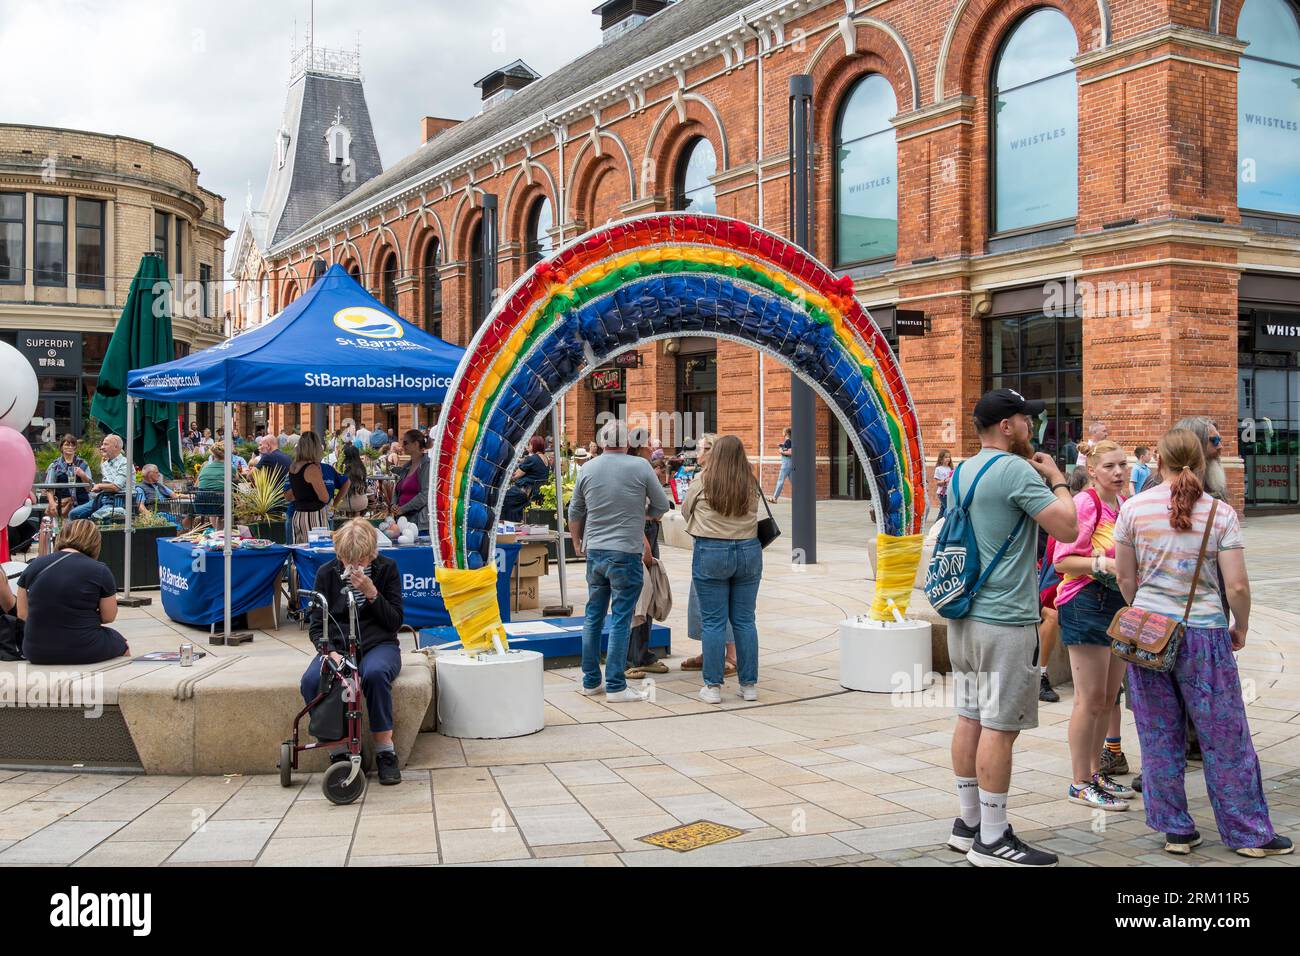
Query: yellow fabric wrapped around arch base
[[897, 559], [471, 601]]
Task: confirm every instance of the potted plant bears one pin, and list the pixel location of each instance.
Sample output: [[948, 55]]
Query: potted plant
[[146, 529], [543, 512], [260, 503]]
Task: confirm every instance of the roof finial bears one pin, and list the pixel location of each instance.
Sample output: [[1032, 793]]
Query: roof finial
[[338, 116]]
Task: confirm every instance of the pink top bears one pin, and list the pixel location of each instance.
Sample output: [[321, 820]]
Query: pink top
[[1096, 536], [409, 486]]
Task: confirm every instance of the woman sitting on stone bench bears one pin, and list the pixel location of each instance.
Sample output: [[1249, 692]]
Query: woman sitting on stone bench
[[67, 598], [377, 586]]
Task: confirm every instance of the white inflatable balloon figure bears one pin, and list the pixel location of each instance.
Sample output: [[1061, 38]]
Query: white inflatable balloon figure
[[19, 393], [18, 389]]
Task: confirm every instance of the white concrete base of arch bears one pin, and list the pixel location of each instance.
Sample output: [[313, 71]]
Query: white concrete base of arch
[[490, 696], [886, 657]]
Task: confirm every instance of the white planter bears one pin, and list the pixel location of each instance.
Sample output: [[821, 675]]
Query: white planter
[[490, 696], [885, 657]]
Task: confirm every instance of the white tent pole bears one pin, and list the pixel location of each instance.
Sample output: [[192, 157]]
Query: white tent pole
[[225, 410], [129, 500]]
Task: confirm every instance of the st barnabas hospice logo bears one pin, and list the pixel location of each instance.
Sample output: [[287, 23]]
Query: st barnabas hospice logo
[[367, 322]]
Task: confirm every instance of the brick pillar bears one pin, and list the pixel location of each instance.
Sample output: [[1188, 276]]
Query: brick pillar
[[934, 178], [945, 368], [407, 301]]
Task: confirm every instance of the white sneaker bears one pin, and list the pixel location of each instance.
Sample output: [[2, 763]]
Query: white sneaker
[[626, 695], [748, 692], [711, 695], [590, 691]]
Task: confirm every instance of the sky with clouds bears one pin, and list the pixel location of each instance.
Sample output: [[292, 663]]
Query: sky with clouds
[[208, 79]]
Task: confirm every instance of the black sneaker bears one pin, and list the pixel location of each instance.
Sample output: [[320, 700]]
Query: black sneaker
[[962, 836], [389, 773], [1136, 783], [1045, 692], [1182, 843], [1278, 846], [1009, 851]]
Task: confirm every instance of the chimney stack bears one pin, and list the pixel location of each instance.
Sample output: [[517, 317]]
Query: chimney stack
[[619, 16], [431, 126]]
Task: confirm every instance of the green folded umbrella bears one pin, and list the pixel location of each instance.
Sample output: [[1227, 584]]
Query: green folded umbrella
[[143, 337]]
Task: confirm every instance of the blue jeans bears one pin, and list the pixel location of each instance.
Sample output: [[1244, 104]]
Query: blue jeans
[[943, 506], [726, 575], [613, 582], [781, 477], [99, 500], [378, 668]]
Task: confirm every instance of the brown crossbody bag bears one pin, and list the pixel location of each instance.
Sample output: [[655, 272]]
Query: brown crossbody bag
[[1152, 640]]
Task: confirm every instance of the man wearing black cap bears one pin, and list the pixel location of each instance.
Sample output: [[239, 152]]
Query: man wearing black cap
[[994, 649]]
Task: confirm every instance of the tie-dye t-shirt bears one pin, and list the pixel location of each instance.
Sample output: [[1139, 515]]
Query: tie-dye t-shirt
[[1166, 558], [1096, 536]]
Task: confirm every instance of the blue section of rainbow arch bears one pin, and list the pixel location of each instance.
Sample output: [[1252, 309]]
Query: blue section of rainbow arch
[[670, 305]]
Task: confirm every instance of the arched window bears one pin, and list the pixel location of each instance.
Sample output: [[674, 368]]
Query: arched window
[[476, 297], [698, 162], [432, 289], [538, 236], [388, 281], [1268, 108], [354, 270], [866, 173], [1035, 111], [266, 300]]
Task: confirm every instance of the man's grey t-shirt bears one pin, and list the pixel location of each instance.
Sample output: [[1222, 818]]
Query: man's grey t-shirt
[[1009, 489], [609, 497]]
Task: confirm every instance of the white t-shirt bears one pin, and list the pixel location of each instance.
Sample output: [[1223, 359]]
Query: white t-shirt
[[942, 475]]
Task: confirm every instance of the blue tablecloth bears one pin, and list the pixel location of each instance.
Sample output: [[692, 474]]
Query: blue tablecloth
[[193, 580], [421, 596]]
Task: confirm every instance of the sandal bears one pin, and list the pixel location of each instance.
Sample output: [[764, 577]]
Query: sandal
[[697, 664]]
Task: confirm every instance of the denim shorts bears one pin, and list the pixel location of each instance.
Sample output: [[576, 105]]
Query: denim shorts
[[1086, 616]]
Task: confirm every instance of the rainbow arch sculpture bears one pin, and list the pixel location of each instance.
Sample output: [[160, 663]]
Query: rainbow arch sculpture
[[639, 280]]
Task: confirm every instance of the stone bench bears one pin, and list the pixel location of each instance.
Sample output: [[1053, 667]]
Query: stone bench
[[226, 714]]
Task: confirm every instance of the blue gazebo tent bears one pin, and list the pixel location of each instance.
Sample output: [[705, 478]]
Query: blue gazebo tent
[[336, 343]]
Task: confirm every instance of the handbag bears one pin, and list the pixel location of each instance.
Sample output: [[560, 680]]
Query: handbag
[[768, 530], [1152, 640], [328, 720]]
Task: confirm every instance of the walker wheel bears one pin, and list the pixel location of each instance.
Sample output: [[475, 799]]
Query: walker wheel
[[336, 791], [286, 765]]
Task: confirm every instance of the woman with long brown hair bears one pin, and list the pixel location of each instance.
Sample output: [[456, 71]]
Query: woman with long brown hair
[[694, 623], [721, 512], [1158, 538], [411, 496], [307, 482]]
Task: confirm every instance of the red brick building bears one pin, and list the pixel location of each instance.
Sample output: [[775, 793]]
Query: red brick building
[[1096, 201]]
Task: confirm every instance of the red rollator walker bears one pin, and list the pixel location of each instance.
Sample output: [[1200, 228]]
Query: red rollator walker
[[335, 713]]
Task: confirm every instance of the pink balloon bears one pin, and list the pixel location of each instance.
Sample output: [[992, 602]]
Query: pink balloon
[[17, 470]]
